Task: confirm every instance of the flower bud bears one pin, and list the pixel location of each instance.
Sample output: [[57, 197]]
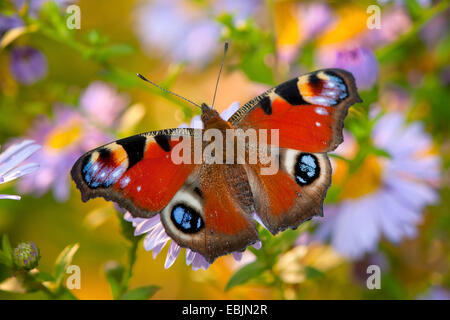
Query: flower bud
[[26, 255]]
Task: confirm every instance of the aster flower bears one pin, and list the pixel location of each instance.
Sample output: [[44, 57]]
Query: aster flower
[[156, 238], [394, 23], [292, 265], [102, 103], [435, 293], [184, 31], [9, 22], [12, 166], [297, 23], [69, 135], [436, 29], [385, 196], [360, 61], [28, 65]]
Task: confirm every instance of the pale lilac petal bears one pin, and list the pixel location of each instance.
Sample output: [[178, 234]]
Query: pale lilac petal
[[199, 262], [257, 219], [196, 122], [11, 159], [257, 245], [20, 171], [155, 237], [172, 255], [227, 113], [156, 250], [237, 255], [9, 196], [190, 256], [146, 225]]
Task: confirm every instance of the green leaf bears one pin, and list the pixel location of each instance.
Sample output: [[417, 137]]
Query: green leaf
[[107, 52], [5, 260], [42, 276], [380, 152], [244, 274], [63, 260], [142, 293], [254, 67], [6, 247], [114, 275], [313, 273]]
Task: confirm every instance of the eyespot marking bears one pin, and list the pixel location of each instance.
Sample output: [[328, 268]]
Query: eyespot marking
[[307, 169], [186, 219]]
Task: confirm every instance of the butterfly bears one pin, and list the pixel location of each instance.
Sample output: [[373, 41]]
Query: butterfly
[[211, 208]]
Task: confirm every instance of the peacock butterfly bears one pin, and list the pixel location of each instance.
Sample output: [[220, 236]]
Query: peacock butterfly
[[211, 207]]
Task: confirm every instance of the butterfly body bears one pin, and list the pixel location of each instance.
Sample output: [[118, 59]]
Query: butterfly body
[[211, 207]]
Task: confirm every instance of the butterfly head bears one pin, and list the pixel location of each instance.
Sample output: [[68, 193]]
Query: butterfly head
[[209, 116]]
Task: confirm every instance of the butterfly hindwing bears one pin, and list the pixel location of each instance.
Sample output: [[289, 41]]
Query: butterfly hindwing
[[136, 172], [309, 111], [295, 193], [212, 212]]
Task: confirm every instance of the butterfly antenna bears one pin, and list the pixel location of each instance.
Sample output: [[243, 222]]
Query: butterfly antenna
[[168, 91], [225, 49]]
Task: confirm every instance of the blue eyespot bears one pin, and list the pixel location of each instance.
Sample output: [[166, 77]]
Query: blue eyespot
[[186, 219], [307, 169]]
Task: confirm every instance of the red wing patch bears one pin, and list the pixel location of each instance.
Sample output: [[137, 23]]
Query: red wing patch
[[136, 172], [309, 111], [304, 127]]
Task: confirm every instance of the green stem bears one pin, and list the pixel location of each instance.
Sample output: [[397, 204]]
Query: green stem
[[132, 255], [384, 52]]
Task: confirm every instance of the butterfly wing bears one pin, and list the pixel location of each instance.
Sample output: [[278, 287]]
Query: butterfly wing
[[293, 194], [309, 111], [136, 172], [212, 213], [198, 204]]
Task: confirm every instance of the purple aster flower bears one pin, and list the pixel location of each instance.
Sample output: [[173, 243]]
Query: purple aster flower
[[12, 166], [385, 196], [360, 61], [308, 21], [28, 65], [63, 141], [436, 29], [435, 293], [394, 23], [70, 134], [102, 103], [184, 31], [9, 22], [156, 238]]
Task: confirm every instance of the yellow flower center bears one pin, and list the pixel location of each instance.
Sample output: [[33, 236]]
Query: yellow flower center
[[64, 136], [286, 24], [352, 21], [366, 180]]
